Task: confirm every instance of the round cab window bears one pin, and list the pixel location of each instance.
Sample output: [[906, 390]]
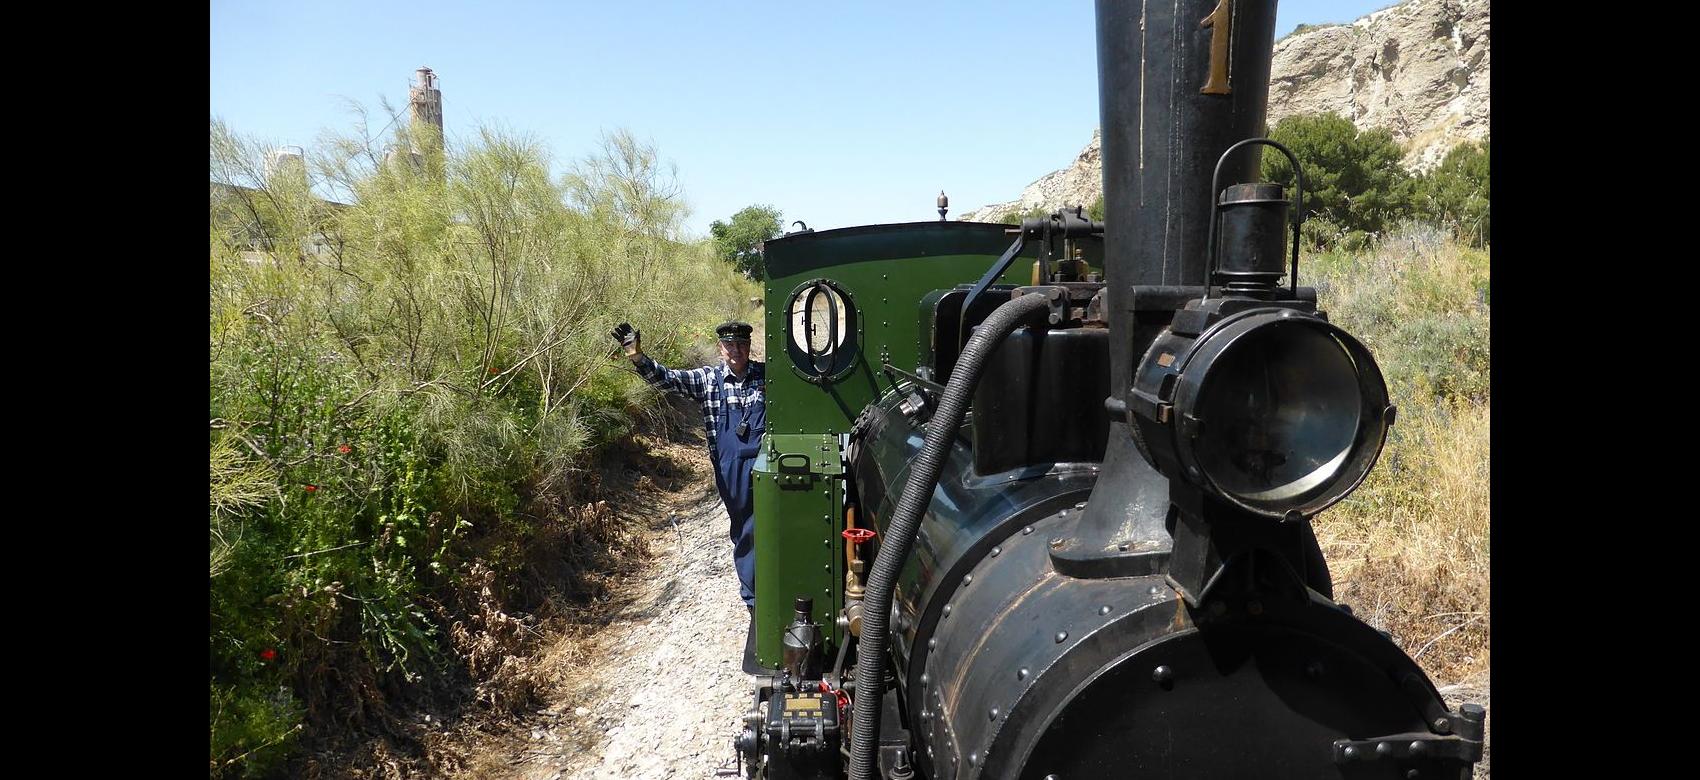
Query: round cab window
[[822, 322]]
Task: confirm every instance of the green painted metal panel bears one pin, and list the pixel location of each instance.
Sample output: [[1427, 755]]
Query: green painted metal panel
[[799, 499], [885, 270]]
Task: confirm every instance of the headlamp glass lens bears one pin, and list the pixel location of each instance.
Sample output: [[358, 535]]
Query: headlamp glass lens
[[1281, 410]]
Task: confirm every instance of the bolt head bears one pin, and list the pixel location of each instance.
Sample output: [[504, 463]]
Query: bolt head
[[1163, 675]]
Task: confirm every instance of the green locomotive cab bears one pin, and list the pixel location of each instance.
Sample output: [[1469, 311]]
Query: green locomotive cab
[[853, 315]]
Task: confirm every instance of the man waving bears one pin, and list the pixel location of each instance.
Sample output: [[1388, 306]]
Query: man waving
[[734, 410]]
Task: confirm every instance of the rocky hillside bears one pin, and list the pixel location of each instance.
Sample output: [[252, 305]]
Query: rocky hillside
[[1419, 69]]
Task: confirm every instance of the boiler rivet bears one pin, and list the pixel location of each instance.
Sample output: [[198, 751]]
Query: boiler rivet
[[1061, 635], [1416, 748], [1351, 751], [1104, 610], [967, 579], [947, 610], [996, 550], [932, 643], [1027, 530], [993, 715], [1021, 674], [1163, 675], [924, 679], [1384, 749]]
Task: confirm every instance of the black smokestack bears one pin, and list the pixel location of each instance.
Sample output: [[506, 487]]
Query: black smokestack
[[1162, 132], [1175, 91]]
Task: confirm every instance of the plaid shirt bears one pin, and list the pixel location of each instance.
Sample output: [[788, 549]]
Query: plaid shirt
[[708, 385]]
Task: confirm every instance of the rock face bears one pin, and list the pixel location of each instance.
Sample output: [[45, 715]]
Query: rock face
[[1419, 69], [1077, 185]]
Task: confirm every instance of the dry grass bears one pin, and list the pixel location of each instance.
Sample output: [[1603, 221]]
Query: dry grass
[[1410, 549]]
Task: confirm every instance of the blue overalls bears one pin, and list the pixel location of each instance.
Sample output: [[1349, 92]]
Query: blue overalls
[[733, 457]]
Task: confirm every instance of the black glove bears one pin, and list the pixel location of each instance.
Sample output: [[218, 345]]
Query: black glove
[[629, 337]]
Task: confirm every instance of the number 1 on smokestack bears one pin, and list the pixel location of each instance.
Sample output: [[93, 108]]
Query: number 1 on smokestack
[[1220, 22]]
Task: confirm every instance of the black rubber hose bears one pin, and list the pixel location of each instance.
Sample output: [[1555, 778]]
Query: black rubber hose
[[906, 520]]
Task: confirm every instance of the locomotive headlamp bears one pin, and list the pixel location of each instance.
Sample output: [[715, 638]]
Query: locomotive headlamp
[[1252, 395], [1273, 410]]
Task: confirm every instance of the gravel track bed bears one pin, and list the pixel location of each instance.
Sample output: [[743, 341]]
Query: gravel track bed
[[667, 690]]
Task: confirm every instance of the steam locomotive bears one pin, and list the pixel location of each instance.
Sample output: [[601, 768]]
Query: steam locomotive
[[1034, 502]]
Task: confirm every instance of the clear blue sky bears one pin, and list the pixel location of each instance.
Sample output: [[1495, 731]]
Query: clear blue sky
[[836, 113]]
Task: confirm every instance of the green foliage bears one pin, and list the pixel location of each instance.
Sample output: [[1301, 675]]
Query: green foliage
[[1016, 215], [401, 392], [739, 242], [1353, 179], [1421, 303], [1096, 210], [1456, 193], [249, 717]]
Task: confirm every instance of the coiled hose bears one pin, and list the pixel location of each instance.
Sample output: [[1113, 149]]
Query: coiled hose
[[906, 520]]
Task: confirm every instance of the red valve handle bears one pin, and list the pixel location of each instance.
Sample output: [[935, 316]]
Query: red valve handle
[[858, 535]]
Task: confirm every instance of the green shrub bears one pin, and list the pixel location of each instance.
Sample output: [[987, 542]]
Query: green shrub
[[402, 392], [1456, 193], [1353, 178]]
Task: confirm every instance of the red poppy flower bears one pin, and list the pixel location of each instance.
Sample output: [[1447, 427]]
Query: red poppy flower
[[310, 488], [344, 449], [495, 370], [268, 654]]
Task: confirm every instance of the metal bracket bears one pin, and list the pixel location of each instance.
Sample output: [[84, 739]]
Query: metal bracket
[[1408, 746], [1057, 297]]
